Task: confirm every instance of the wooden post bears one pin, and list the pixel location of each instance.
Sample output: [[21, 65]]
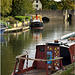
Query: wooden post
[[61, 63], [21, 63], [66, 15], [46, 68]]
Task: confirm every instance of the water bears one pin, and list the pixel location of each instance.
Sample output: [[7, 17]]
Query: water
[[14, 44]]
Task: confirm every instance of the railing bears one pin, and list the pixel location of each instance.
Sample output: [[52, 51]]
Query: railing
[[21, 59]]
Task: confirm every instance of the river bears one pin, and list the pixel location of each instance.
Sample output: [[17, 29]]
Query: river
[[13, 44]]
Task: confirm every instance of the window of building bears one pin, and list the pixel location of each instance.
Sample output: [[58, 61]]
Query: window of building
[[36, 1], [36, 5]]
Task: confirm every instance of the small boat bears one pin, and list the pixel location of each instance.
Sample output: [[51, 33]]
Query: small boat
[[49, 57], [68, 36], [36, 22], [2, 28], [46, 61]]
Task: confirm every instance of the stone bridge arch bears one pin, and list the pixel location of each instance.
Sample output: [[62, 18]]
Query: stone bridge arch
[[51, 14], [56, 14]]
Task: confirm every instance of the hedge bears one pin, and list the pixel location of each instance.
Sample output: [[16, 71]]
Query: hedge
[[9, 26], [21, 18]]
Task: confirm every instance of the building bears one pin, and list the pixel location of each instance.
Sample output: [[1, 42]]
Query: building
[[37, 5]]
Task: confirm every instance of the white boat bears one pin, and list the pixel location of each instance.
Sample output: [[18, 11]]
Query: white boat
[[68, 36]]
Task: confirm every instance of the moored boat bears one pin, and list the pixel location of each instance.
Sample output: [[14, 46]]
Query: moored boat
[[36, 22], [2, 28], [49, 57]]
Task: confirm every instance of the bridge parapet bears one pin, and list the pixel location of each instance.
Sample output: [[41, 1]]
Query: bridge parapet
[[56, 14], [51, 14]]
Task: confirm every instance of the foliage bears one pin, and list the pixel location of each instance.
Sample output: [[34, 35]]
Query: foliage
[[68, 4], [9, 26], [49, 5], [44, 4], [4, 18], [6, 7], [21, 18], [52, 5], [12, 20], [21, 7], [3, 22], [67, 72]]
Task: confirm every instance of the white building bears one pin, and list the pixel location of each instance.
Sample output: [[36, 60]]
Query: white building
[[37, 5]]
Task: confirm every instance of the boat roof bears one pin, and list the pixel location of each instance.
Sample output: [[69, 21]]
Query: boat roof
[[37, 15], [68, 36]]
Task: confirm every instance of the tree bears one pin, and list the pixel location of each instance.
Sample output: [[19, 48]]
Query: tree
[[6, 7], [68, 4], [44, 4], [49, 4], [21, 7]]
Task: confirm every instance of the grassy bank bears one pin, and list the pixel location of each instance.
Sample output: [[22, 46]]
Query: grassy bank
[[66, 70], [13, 20], [9, 26], [22, 18]]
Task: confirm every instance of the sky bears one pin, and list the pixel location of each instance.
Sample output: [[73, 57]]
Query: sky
[[57, 0]]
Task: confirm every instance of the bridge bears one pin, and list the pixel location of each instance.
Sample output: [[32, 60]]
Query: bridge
[[56, 14]]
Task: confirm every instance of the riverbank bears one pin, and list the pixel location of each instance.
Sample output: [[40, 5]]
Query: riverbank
[[16, 29], [15, 23], [68, 70]]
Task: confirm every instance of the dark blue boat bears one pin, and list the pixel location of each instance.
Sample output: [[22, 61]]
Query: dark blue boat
[[2, 28], [36, 22]]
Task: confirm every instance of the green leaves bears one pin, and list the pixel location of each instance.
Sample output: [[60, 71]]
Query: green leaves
[[52, 5], [21, 7], [68, 4], [16, 7], [6, 7]]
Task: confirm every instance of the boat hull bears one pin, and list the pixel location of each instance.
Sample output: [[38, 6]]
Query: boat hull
[[36, 25], [2, 30]]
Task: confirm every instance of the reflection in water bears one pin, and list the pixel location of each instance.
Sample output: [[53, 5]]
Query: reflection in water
[[3, 42], [37, 34], [20, 42]]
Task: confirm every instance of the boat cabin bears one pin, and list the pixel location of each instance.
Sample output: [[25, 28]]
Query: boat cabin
[[47, 59], [37, 17]]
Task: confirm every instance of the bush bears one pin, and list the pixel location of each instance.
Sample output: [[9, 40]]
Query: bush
[[9, 27], [5, 18], [3, 22], [12, 20], [9, 19], [21, 18]]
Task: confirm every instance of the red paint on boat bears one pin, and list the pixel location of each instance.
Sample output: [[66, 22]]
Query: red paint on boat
[[72, 53]]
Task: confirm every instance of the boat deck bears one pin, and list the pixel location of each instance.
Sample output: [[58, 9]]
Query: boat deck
[[37, 72]]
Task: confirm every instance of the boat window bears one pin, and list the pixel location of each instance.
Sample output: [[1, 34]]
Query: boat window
[[42, 49]]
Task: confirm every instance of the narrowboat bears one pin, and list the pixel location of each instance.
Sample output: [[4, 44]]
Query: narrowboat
[[2, 28], [36, 22], [49, 58], [67, 48], [45, 62]]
